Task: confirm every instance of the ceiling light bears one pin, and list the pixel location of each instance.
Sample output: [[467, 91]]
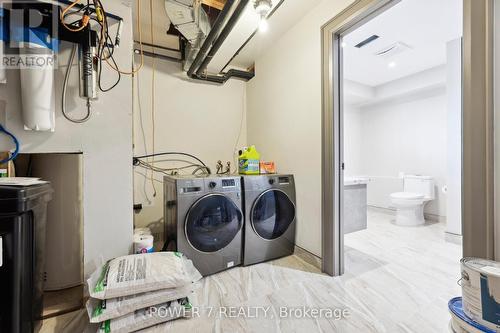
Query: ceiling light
[[262, 8], [392, 64], [263, 25]]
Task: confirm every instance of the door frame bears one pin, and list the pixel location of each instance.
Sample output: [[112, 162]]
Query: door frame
[[477, 136]]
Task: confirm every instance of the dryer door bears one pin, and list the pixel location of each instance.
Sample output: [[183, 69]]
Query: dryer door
[[212, 223], [272, 214]]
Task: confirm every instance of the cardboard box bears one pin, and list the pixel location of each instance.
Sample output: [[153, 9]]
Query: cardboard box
[[6, 169], [267, 168]]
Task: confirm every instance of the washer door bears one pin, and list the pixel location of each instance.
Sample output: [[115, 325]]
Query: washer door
[[212, 223], [272, 214]]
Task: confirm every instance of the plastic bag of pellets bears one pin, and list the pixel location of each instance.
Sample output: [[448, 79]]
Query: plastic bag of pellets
[[140, 273], [101, 310], [147, 317]]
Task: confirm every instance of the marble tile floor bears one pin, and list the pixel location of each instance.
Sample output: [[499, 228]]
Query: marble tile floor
[[397, 280]]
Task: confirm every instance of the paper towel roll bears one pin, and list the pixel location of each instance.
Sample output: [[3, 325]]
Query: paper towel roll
[[143, 244]]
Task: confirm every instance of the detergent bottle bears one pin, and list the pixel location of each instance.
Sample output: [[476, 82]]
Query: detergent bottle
[[249, 161]]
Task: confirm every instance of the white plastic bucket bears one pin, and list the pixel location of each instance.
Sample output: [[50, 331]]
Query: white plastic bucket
[[143, 244], [480, 284]]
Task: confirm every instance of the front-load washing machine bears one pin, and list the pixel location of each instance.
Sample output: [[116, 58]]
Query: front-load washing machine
[[270, 210], [204, 220]]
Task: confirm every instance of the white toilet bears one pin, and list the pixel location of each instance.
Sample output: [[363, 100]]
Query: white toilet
[[418, 191]]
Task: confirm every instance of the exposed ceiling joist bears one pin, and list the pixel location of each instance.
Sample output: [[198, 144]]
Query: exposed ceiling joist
[[219, 4]]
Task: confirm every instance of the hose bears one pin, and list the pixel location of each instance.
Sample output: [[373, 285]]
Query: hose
[[169, 153], [16, 142], [65, 88], [205, 169]]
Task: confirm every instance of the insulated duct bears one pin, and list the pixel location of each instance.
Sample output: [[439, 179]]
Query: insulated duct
[[189, 17], [201, 50]]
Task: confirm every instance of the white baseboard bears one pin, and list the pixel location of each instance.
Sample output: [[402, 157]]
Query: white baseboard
[[308, 257], [453, 238], [385, 210], [435, 218], [392, 211]]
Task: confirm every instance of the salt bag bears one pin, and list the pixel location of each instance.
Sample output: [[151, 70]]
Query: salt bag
[[102, 310], [148, 317], [140, 273]]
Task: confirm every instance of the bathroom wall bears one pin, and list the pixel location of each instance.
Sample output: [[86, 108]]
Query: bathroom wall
[[454, 148], [405, 133], [353, 140], [203, 119]]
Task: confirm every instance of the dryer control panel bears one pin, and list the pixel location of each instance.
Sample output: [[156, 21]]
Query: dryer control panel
[[269, 181]]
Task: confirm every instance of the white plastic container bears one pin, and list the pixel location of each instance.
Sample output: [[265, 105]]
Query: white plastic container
[[143, 243], [37, 94], [481, 291]]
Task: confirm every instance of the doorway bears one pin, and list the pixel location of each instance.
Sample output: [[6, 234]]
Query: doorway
[[334, 92]]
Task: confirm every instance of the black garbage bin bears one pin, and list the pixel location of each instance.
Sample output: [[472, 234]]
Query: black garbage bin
[[23, 215]]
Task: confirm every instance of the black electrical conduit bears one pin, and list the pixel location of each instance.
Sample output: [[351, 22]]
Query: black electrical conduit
[[212, 35], [217, 40], [244, 75], [222, 37], [202, 60]]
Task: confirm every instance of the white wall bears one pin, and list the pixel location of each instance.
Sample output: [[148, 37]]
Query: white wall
[[198, 118], [407, 137], [284, 113], [454, 147], [106, 143], [353, 141], [401, 128]]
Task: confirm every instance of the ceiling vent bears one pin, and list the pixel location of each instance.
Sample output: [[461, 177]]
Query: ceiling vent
[[367, 41], [393, 50]]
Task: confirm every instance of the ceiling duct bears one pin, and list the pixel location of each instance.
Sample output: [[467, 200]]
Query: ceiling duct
[[189, 17], [367, 41], [393, 50]]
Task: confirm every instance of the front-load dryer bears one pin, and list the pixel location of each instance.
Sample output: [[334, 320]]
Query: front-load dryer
[[270, 217], [204, 220]]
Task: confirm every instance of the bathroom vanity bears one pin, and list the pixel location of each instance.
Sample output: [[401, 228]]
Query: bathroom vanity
[[355, 204]]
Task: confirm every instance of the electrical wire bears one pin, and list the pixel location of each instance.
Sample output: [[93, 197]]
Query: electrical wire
[[153, 99], [114, 65], [106, 46], [99, 75], [65, 88], [168, 171], [147, 177], [171, 153], [84, 20], [16, 143], [143, 132], [105, 43]]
